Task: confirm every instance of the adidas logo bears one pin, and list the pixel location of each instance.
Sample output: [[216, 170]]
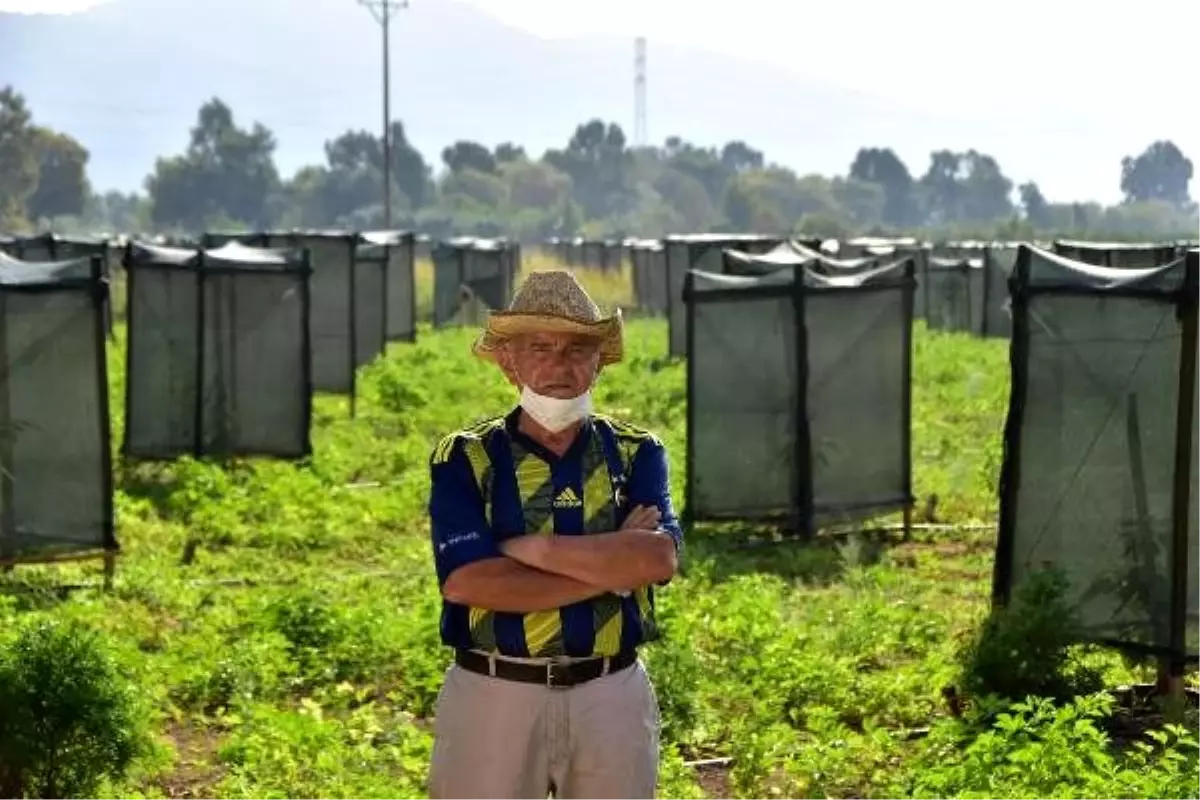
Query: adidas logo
[[567, 499]]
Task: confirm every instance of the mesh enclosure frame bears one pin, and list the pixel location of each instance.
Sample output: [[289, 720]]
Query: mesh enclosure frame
[[402, 288], [1120, 255], [965, 280], [46, 247], [803, 517], [998, 263], [456, 283], [683, 253], [326, 349], [648, 276], [371, 268], [1181, 303], [197, 270], [84, 278]]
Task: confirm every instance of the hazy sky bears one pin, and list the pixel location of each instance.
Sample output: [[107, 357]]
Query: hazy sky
[[1127, 64]]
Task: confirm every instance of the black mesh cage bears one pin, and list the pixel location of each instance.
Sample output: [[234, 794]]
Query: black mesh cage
[[55, 457], [649, 276], [998, 261], [53, 247], [702, 252], [468, 273], [370, 302], [1099, 476], [401, 282], [954, 294], [799, 395], [1122, 255], [792, 253], [332, 317], [218, 353]]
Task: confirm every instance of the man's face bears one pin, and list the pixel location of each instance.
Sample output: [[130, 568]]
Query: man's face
[[561, 365]]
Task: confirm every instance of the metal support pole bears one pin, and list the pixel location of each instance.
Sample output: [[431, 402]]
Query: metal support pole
[[383, 10]]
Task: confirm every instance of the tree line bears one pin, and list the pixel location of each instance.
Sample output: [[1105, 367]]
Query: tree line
[[597, 185]]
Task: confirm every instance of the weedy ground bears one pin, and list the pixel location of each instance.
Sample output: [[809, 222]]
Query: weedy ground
[[280, 619]]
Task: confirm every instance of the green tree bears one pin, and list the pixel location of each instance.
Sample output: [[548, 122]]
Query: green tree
[[507, 151], [862, 202], [463, 155], [598, 162], [881, 165], [534, 184], [226, 172], [965, 187], [470, 188], [62, 187], [18, 159], [1160, 172], [1034, 204], [688, 197]]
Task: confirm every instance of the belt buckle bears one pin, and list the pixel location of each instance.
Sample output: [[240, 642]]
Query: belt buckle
[[551, 666]]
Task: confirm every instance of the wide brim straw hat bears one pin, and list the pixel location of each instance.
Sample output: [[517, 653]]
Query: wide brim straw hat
[[552, 302]]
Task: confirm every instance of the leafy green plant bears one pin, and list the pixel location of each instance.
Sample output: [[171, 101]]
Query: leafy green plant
[[68, 717], [1024, 648]]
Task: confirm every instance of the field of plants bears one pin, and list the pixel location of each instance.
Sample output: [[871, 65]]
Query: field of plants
[[272, 630]]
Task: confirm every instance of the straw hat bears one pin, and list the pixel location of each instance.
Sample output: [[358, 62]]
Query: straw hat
[[552, 302]]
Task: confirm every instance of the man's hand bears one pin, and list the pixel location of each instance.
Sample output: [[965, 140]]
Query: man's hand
[[528, 549], [532, 549], [644, 518]]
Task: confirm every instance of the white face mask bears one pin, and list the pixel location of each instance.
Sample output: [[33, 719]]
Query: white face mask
[[555, 414]]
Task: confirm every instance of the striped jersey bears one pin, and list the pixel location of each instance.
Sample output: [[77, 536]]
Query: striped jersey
[[491, 481]]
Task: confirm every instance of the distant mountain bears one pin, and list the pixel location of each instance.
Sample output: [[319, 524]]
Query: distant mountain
[[127, 77]]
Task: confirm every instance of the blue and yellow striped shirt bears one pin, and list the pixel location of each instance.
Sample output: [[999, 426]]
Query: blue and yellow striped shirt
[[491, 481]]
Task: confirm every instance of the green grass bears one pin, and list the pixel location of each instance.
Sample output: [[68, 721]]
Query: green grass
[[296, 652]]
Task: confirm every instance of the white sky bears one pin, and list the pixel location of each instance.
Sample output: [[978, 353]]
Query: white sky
[[1127, 64]]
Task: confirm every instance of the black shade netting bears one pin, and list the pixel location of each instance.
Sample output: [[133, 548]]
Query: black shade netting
[[790, 254], [219, 354], [572, 252], [1121, 255], [884, 250], [470, 273], [449, 292], [332, 312], [954, 294], [998, 262], [1089, 471], [743, 397], [401, 282], [798, 394], [370, 302], [858, 334], [55, 465], [704, 253], [212, 240], [649, 276], [54, 247]]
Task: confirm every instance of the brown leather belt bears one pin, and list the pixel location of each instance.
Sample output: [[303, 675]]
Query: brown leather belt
[[556, 675]]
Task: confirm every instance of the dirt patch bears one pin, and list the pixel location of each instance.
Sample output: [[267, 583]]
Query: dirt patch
[[197, 770], [714, 780]]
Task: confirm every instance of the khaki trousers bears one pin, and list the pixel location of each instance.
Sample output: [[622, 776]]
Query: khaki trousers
[[500, 738]]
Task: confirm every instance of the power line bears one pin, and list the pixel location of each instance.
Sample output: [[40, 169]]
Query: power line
[[383, 11]]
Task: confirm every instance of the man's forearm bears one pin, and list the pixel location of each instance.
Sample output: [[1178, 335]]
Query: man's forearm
[[614, 561], [505, 584]]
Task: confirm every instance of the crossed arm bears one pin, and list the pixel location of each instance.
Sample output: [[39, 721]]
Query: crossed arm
[[540, 572]]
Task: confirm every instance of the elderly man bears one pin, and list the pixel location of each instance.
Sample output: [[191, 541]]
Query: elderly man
[[550, 527]]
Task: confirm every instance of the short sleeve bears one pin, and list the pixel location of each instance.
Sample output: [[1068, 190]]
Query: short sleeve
[[457, 516], [650, 484]]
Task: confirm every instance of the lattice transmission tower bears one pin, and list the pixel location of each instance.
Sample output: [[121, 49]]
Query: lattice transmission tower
[[641, 134]]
